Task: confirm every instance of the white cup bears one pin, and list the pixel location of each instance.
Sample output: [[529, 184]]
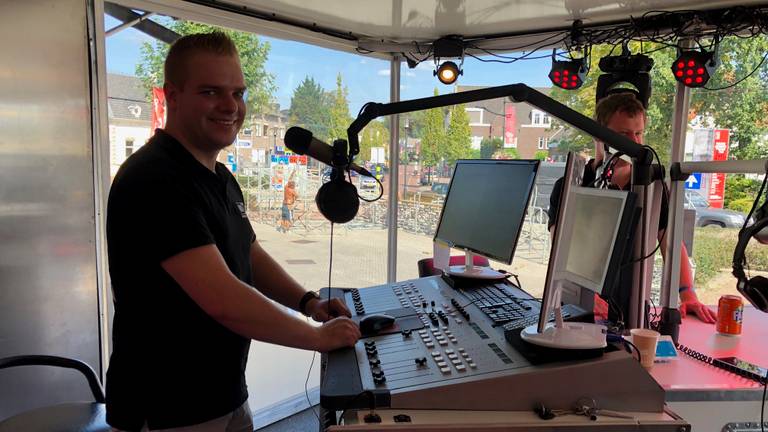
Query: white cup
[[645, 340]]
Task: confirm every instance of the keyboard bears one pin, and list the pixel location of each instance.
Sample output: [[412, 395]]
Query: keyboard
[[500, 305]]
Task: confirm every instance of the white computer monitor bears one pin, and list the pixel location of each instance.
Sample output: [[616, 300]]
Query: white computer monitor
[[484, 211], [591, 230]]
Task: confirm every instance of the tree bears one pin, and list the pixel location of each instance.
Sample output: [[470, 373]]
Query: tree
[[432, 134], [253, 53], [375, 134], [489, 146], [310, 108], [541, 155], [743, 108], [339, 118], [459, 142]]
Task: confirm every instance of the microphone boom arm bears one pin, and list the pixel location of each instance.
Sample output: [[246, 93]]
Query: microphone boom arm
[[517, 93]]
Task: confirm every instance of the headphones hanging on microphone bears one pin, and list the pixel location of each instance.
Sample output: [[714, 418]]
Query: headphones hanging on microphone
[[337, 200], [755, 289]]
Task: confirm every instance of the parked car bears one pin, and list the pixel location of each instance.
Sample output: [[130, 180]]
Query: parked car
[[709, 216]]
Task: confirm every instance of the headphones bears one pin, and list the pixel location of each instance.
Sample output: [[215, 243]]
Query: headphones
[[755, 289], [337, 200]]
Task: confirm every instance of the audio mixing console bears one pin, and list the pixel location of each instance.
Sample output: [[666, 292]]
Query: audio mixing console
[[447, 350]]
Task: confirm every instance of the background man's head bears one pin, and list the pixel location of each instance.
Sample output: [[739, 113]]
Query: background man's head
[[204, 88], [623, 113]]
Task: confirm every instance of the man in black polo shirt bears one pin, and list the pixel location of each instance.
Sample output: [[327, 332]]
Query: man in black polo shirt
[[624, 113], [191, 284]]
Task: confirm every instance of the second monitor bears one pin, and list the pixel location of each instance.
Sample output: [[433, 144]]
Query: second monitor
[[484, 210]]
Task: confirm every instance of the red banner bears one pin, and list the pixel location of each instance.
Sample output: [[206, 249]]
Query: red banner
[[158, 108], [717, 181], [510, 120]]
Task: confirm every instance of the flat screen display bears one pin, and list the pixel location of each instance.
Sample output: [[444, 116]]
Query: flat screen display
[[485, 206]]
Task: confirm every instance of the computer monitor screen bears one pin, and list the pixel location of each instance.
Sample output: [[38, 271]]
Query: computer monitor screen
[[591, 235], [485, 206], [595, 219]]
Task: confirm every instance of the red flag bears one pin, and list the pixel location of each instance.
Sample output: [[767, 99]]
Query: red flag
[[158, 108], [716, 193]]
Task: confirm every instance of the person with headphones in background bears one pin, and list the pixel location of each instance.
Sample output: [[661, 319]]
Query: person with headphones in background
[[623, 113], [192, 286]]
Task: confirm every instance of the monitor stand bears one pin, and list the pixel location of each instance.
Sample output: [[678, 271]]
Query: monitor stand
[[565, 335], [469, 270]]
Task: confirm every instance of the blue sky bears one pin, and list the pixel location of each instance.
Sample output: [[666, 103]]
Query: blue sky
[[366, 78]]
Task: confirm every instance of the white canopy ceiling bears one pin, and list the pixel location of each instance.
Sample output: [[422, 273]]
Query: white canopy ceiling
[[385, 25]]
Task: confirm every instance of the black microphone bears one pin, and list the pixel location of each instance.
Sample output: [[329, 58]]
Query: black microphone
[[301, 141]]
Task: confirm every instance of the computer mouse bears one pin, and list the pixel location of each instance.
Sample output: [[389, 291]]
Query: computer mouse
[[373, 324]]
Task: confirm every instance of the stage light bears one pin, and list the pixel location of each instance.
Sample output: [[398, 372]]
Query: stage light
[[568, 74], [448, 72], [694, 68]]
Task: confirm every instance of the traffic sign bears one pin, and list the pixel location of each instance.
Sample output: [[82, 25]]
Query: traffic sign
[[693, 181]]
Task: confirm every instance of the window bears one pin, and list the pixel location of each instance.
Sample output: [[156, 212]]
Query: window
[[542, 143], [257, 129], [475, 116], [266, 130], [540, 118], [129, 147], [247, 131]]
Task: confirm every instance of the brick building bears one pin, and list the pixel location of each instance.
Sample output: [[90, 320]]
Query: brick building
[[520, 125]]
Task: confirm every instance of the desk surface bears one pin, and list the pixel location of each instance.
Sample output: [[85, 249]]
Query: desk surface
[[687, 379]]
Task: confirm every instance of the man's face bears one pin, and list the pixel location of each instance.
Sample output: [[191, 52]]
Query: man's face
[[633, 127], [209, 108]]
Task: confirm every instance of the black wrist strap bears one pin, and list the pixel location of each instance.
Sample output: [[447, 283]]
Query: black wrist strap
[[309, 295]]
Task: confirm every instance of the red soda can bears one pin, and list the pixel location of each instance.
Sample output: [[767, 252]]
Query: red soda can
[[730, 315]]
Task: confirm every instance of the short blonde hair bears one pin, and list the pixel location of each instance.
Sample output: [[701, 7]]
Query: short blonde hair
[[216, 42], [624, 102]]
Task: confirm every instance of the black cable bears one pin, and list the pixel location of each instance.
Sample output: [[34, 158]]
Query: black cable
[[742, 79], [664, 234], [639, 355], [306, 392], [381, 192]]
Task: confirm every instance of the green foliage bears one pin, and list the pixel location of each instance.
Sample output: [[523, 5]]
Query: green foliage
[[310, 108], [340, 118], [658, 133], [541, 155], [489, 147], [742, 205], [253, 59], [375, 134], [740, 192], [511, 153], [432, 134], [743, 109], [713, 253], [459, 142]]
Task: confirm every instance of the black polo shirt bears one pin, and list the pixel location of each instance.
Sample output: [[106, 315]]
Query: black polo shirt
[[172, 365]]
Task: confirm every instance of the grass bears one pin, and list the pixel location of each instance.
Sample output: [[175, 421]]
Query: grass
[[713, 252]]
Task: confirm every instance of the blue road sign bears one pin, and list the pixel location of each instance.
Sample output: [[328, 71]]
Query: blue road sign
[[693, 181]]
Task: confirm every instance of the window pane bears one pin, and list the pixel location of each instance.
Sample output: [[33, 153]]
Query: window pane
[[331, 86]]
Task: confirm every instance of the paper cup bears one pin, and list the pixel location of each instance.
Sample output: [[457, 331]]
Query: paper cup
[[645, 340]]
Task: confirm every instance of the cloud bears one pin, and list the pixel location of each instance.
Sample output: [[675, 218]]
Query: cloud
[[427, 65], [383, 72]]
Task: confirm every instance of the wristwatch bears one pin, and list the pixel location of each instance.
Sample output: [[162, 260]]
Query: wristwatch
[[305, 299]]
